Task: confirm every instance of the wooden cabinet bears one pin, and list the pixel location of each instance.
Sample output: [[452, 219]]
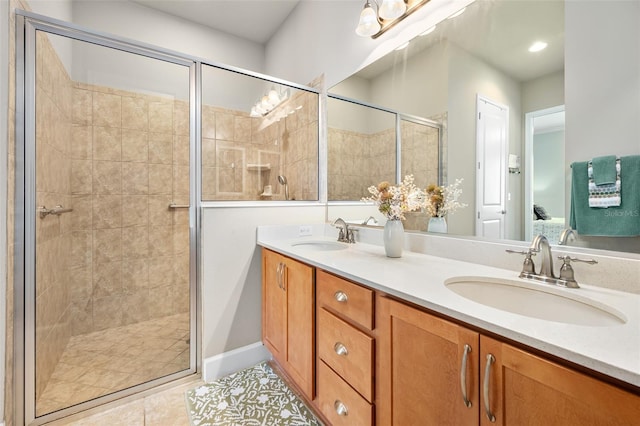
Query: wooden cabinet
[[345, 346], [288, 317], [423, 373], [426, 368], [525, 389]]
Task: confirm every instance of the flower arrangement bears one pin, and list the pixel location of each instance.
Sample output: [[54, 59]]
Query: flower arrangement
[[442, 200], [394, 200]]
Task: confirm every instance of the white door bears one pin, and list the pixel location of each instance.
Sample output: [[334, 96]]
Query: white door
[[491, 159]]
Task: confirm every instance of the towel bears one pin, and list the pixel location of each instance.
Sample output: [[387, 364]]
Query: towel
[[620, 221], [604, 170], [604, 195]]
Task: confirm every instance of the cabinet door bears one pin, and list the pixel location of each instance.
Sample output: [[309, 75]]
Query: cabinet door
[[536, 391], [419, 370], [300, 290], [274, 305]]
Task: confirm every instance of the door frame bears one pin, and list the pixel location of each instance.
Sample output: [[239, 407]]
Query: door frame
[[27, 24], [529, 130], [484, 99]]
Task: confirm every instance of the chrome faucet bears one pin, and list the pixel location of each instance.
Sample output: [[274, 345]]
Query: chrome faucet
[[366, 222], [540, 244], [564, 236], [346, 234]]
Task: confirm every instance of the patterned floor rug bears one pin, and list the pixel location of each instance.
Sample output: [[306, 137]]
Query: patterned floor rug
[[255, 396]]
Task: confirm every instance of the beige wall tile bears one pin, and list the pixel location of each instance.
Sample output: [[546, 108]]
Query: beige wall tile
[[107, 279], [161, 148], [107, 245], [181, 150], [160, 271], [135, 113], [181, 118], [159, 213], [107, 312], [158, 237], [107, 110], [135, 145], [135, 242], [135, 210], [107, 143], [135, 178], [107, 211], [107, 177], [81, 142], [82, 215], [82, 107], [135, 275], [161, 116], [159, 177]]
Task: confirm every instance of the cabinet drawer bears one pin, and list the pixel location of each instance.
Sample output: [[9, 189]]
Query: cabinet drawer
[[348, 299], [347, 350], [339, 403]]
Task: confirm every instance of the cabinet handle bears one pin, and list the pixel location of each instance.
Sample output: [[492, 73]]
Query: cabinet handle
[[463, 375], [282, 282], [341, 296], [485, 387], [341, 409], [279, 274], [340, 349]]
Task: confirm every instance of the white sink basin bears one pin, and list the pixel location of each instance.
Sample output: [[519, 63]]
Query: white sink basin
[[532, 300], [320, 245]]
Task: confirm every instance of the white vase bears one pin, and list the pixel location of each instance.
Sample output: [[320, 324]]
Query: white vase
[[437, 224], [393, 238]]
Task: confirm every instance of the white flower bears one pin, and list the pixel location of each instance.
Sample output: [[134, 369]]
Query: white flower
[[264, 381], [394, 200], [237, 391], [202, 391], [262, 399], [285, 414], [222, 406]]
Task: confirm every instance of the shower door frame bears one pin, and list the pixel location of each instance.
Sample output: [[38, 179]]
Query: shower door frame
[[27, 25]]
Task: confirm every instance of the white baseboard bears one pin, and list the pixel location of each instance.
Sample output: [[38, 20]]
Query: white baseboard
[[229, 362]]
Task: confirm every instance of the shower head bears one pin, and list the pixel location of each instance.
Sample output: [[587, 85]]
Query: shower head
[[283, 181]]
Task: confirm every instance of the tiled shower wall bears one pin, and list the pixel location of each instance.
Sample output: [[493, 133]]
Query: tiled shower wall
[[237, 148], [130, 252], [358, 160], [53, 233]]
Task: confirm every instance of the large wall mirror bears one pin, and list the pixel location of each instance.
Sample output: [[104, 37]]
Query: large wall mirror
[[576, 99]]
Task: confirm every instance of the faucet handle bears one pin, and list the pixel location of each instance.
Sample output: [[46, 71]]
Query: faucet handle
[[528, 267], [568, 259], [567, 275]]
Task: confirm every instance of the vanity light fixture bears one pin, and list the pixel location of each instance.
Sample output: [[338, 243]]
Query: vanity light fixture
[[268, 102], [537, 46], [373, 23]]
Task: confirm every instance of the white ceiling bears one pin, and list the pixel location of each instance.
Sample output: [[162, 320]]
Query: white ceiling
[[500, 33], [255, 20]]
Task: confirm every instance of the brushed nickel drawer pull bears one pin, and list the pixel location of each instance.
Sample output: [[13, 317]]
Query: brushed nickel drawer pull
[[463, 375], [341, 296], [340, 349], [485, 388], [341, 409], [279, 274]]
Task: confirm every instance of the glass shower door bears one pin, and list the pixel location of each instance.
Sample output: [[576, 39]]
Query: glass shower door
[[111, 298]]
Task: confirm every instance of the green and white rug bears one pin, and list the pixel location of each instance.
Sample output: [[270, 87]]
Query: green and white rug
[[255, 396]]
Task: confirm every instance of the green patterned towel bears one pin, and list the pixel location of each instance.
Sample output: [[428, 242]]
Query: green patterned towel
[[255, 396]]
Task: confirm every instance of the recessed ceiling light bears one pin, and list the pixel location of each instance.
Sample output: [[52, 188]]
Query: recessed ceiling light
[[402, 46], [458, 13], [537, 46], [429, 31]]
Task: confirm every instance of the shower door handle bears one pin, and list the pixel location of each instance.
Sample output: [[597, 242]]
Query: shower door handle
[[179, 206]]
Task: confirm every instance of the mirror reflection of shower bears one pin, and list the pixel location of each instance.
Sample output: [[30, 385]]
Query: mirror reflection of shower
[[283, 181]]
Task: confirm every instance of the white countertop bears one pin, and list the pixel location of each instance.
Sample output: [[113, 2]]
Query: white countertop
[[419, 278]]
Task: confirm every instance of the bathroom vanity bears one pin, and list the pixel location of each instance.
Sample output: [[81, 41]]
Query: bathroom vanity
[[373, 340]]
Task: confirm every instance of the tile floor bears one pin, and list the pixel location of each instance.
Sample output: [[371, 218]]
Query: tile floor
[[102, 362], [166, 408]]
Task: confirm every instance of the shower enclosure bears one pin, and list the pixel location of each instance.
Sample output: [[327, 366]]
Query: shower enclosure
[[109, 211]]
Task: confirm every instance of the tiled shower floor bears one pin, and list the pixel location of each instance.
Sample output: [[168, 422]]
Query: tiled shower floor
[[106, 361]]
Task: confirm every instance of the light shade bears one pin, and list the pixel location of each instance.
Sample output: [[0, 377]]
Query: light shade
[[392, 9], [368, 24]]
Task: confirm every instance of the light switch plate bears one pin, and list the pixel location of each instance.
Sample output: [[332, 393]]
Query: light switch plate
[[304, 231]]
